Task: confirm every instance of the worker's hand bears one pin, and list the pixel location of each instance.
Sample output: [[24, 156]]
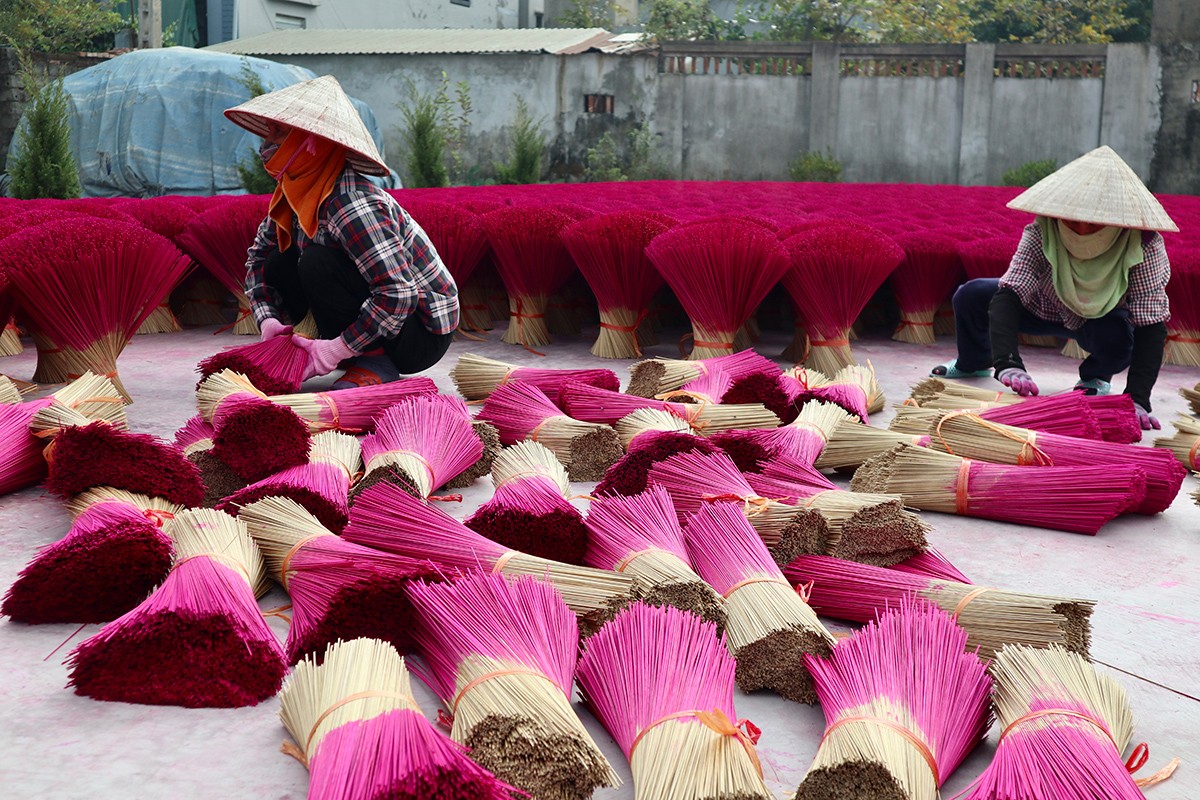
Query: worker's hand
[[272, 327], [1019, 381], [324, 355], [1146, 419]]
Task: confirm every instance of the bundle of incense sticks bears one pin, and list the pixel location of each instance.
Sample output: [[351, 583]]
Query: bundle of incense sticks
[[770, 627], [630, 475], [252, 435], [969, 436], [276, 366], [1117, 417], [602, 406], [338, 589], [321, 486], [489, 437], [927, 276], [353, 410], [657, 375], [476, 377], [1063, 729], [931, 564], [522, 412], [853, 443], [904, 705], [359, 731], [392, 520], [1185, 442], [9, 393], [630, 426], [661, 682], [806, 437], [419, 444], [199, 640], [195, 436], [531, 510], [1064, 414], [501, 654], [1192, 396], [992, 617], [778, 394], [749, 450], [1076, 499], [641, 536], [853, 388], [695, 480]]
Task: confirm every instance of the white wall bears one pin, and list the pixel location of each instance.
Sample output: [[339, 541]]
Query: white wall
[[253, 17]]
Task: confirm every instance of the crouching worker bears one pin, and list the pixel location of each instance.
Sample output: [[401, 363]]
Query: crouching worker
[[336, 245], [1091, 268]]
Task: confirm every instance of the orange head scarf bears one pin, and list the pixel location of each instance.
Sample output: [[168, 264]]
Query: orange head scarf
[[307, 167]]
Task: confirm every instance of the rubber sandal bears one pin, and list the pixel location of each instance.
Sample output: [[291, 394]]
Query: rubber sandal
[[1094, 386], [950, 370]]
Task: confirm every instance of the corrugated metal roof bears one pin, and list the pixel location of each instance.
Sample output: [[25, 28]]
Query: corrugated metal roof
[[388, 41]]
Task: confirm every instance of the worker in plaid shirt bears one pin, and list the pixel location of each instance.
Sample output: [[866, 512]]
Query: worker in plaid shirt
[[1092, 268], [335, 245]]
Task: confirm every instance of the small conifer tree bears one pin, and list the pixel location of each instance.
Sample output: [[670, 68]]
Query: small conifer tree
[[43, 164]]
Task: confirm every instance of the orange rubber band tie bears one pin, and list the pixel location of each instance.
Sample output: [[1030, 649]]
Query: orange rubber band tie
[[961, 495], [814, 427], [624, 563], [911, 737], [407, 703], [502, 562], [158, 516], [630, 329], [287, 559], [499, 674], [242, 315], [742, 583], [1193, 453], [743, 730], [967, 598]]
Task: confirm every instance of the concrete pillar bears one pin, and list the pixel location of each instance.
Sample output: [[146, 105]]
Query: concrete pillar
[[979, 71], [823, 97], [150, 27], [1129, 114], [1175, 34]]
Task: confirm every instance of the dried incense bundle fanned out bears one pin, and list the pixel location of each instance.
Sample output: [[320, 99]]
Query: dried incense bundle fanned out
[[338, 589], [992, 617], [195, 436], [661, 682], [853, 443], [922, 282], [501, 654], [806, 437], [252, 435], [356, 726], [1185, 442], [631, 474], [523, 412], [352, 410], [657, 375], [606, 407], [476, 377], [218, 239], [641, 536], [904, 704], [1063, 727], [1076, 499], [770, 627], [199, 640], [276, 366]]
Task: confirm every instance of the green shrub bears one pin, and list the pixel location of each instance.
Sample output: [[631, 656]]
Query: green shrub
[[817, 167], [603, 162], [44, 165], [252, 175], [436, 128], [635, 159], [1029, 173], [645, 164], [528, 144]]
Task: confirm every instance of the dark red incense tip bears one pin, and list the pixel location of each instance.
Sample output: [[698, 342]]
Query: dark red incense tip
[[330, 514], [629, 476], [766, 389], [558, 535], [258, 442], [745, 449]]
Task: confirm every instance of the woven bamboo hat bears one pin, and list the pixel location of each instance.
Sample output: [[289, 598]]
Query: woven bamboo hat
[[1097, 187], [320, 107]]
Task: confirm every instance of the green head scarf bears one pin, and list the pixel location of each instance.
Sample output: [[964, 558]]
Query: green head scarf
[[1091, 287]]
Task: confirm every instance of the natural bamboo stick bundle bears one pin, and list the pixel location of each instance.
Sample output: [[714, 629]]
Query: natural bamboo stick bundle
[[9, 393], [352, 410], [1183, 290], [992, 617], [252, 435], [853, 387], [1193, 398], [1074, 499], [606, 407], [156, 509], [195, 436], [1072, 350], [806, 438], [927, 389], [641, 536], [476, 377], [853, 443], [200, 299], [501, 653], [1185, 442], [657, 375], [359, 731], [904, 705], [661, 682], [161, 320], [644, 420], [922, 282], [1069, 414], [10, 340], [770, 627]]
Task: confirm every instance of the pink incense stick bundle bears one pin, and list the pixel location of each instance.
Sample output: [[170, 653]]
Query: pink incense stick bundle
[[500, 653], [987, 258], [1067, 414], [361, 734], [388, 518], [419, 444], [749, 450], [1077, 499], [455, 233], [782, 397], [338, 589], [489, 438], [657, 375], [218, 239], [969, 436], [531, 510], [199, 640], [353, 410], [275, 366], [523, 412], [111, 559], [931, 564], [805, 438], [835, 269], [476, 377], [1183, 290], [904, 705], [721, 272], [991, 617], [1063, 729], [770, 626], [610, 250], [1116, 417], [533, 263], [660, 681], [253, 436], [641, 536], [321, 487], [83, 287], [648, 446], [603, 406], [924, 280], [195, 436]]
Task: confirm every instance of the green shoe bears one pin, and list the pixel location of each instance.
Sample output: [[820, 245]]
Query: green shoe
[[950, 370], [1094, 386]]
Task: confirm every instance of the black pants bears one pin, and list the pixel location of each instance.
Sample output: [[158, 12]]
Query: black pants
[[325, 281]]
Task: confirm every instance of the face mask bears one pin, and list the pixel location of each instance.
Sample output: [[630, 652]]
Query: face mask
[[1088, 246], [266, 150]]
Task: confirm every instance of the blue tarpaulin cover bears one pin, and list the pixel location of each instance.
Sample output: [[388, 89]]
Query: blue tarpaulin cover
[[150, 122]]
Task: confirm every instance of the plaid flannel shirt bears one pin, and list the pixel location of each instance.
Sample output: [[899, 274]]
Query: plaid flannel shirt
[[400, 264], [1029, 275]]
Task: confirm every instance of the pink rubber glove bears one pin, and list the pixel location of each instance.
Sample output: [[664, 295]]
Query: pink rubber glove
[[272, 327], [1019, 381], [1147, 420], [324, 355]]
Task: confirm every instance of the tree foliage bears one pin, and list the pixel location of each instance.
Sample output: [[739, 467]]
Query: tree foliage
[[44, 162], [436, 125], [252, 175], [528, 144], [59, 26]]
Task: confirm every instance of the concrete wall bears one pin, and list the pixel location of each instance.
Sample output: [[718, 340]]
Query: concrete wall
[[1033, 120], [252, 17], [1176, 36]]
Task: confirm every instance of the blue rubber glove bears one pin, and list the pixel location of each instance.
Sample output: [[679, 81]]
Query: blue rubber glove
[[324, 355], [1146, 419], [272, 327], [1019, 381]]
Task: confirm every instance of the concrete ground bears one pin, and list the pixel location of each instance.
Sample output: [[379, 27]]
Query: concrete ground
[[1144, 573]]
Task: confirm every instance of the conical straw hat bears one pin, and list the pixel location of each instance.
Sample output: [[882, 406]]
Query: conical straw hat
[[1097, 187], [320, 107]]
